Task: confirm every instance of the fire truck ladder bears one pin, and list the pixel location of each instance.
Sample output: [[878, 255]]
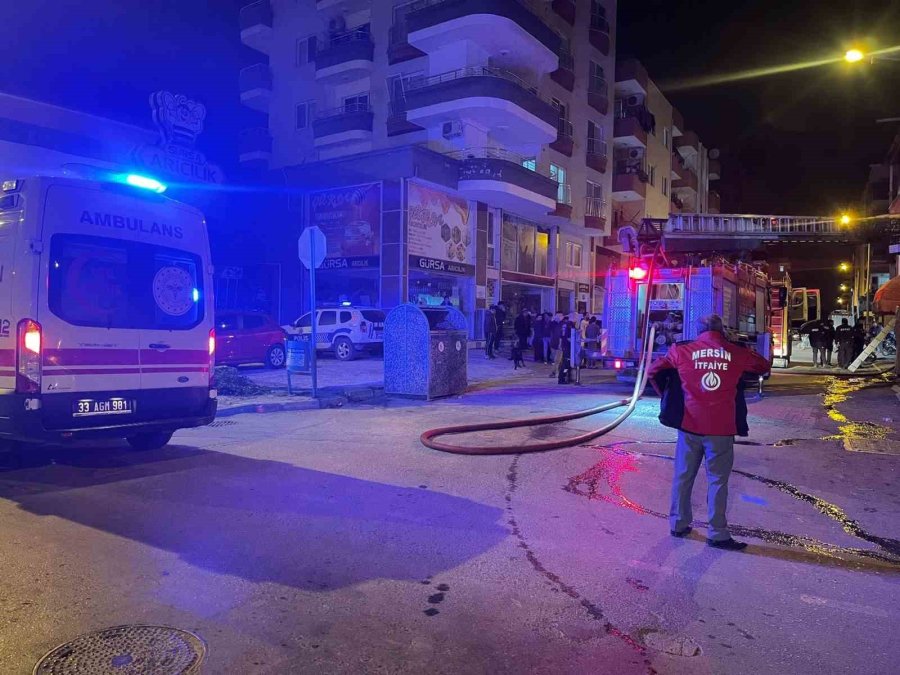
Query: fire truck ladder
[[766, 228]]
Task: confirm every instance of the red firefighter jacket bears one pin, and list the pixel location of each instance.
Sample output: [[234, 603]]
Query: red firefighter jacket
[[710, 369]]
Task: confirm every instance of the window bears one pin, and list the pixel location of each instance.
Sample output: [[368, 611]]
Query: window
[[328, 318], [115, 283], [373, 315], [596, 78], [346, 317], [356, 103], [558, 174], [306, 50], [524, 246], [530, 163], [254, 321], [651, 173], [305, 112], [491, 241], [573, 254], [666, 137], [665, 186], [303, 322]]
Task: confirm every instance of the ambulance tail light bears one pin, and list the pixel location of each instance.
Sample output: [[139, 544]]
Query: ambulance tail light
[[28, 357], [212, 357]]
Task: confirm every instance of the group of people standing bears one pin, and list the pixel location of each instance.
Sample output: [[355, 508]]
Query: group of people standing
[[850, 340], [549, 336]]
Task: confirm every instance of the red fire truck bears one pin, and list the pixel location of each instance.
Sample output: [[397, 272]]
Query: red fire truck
[[679, 296]]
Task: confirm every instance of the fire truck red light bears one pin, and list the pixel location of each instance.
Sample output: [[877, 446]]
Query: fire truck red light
[[637, 273], [617, 364]]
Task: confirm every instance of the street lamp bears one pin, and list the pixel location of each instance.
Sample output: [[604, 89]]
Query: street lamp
[[844, 267], [840, 301], [854, 56], [843, 287], [845, 219]]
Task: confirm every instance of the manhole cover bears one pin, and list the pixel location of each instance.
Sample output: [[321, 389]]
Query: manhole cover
[[127, 650]]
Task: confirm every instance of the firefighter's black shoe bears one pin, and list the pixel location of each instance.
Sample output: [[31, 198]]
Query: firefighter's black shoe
[[727, 544], [681, 534]]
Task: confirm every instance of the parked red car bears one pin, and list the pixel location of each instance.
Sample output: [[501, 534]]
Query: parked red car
[[249, 337]]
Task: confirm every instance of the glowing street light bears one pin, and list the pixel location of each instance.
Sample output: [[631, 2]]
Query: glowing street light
[[840, 301], [844, 267], [845, 219], [843, 287], [854, 56]]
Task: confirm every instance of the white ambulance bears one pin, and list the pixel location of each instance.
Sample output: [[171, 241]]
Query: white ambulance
[[106, 312]]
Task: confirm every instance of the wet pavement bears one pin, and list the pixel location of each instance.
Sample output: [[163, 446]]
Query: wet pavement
[[331, 541]]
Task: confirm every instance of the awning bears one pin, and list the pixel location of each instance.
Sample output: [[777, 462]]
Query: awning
[[887, 298]]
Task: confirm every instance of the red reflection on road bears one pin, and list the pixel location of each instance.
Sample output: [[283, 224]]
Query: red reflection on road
[[603, 481]]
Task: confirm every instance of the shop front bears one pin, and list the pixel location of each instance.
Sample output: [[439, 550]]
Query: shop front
[[525, 278], [441, 249], [350, 218]]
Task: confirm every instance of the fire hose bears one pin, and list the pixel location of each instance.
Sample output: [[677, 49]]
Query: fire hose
[[429, 438]]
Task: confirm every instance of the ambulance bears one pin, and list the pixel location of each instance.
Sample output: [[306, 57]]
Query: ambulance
[[106, 312]]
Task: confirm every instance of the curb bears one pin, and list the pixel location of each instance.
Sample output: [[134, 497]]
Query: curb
[[328, 398]]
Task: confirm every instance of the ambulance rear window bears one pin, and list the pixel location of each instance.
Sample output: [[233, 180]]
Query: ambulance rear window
[[113, 283]]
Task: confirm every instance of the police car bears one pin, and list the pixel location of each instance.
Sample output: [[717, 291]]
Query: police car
[[345, 330]]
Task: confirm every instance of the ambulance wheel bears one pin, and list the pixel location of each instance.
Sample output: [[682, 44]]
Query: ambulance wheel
[[153, 440], [276, 356], [343, 349]]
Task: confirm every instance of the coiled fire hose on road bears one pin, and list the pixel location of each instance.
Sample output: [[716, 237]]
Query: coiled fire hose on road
[[429, 438]]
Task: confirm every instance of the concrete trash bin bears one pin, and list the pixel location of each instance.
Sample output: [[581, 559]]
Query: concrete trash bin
[[425, 351]]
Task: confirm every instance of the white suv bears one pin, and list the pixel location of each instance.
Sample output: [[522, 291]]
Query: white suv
[[346, 331]]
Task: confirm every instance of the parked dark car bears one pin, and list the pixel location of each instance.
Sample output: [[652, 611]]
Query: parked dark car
[[249, 337]]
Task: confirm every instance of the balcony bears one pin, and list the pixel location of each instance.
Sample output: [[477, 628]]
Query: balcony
[[714, 202], [688, 181], [678, 165], [256, 26], [498, 177], [255, 83], [564, 76], [350, 123], [598, 95], [629, 133], [255, 148], [631, 78], [715, 169], [399, 49], [594, 213], [688, 144], [630, 179], [499, 28], [599, 33], [563, 208], [345, 57], [489, 98], [564, 142], [597, 156], [565, 9]]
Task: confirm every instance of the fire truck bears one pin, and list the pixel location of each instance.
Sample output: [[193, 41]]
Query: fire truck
[[740, 293]]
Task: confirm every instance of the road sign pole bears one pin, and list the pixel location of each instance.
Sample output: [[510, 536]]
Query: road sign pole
[[312, 315]]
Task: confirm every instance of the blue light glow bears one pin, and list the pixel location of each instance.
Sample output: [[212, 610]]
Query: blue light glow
[[346, 304], [145, 182], [195, 294]]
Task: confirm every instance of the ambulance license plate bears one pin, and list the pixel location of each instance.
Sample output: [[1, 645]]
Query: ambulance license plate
[[88, 407]]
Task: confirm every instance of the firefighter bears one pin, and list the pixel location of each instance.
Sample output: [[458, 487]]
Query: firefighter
[[816, 332], [702, 397], [844, 336]]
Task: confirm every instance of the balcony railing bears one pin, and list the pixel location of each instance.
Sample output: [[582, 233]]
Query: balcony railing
[[420, 81], [597, 147], [594, 206], [598, 85], [346, 109], [564, 128], [257, 76], [492, 152], [637, 167], [345, 38]]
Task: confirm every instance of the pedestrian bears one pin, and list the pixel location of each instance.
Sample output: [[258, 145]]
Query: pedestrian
[[502, 311], [828, 339], [556, 328], [548, 352], [816, 332], [844, 336], [490, 331], [859, 339], [702, 397], [522, 327], [564, 362], [538, 330]]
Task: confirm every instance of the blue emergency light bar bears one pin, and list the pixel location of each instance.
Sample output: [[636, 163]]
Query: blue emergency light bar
[[145, 182]]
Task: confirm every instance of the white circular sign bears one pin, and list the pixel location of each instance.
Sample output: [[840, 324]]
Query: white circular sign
[[440, 346], [173, 290], [710, 382]]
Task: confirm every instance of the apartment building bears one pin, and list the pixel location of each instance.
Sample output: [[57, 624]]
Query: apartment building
[[659, 166], [451, 150]]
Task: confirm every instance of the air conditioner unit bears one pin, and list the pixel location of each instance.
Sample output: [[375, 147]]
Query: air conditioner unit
[[633, 101], [634, 153], [452, 129]]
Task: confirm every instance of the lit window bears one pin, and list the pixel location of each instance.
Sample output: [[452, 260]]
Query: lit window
[[530, 163]]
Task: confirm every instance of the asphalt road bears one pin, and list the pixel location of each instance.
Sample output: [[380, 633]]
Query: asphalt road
[[331, 541]]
